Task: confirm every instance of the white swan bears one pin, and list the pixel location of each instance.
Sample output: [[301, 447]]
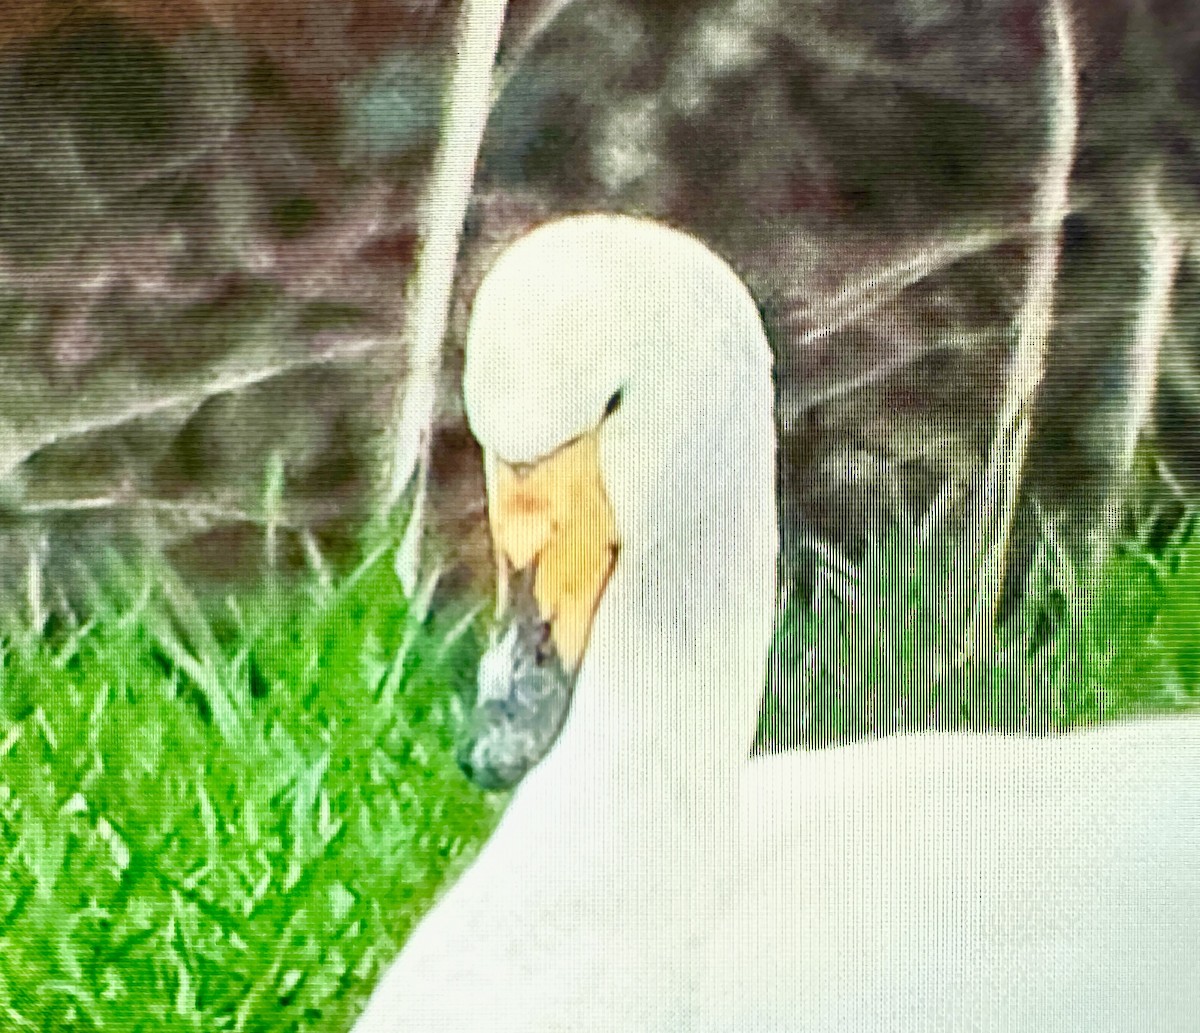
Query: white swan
[[646, 876]]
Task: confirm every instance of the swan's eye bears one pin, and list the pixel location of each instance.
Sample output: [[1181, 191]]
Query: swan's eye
[[613, 404]]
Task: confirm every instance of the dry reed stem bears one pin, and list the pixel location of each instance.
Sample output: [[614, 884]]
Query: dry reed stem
[[443, 210], [520, 48], [870, 288], [1161, 260], [26, 442], [1051, 205]]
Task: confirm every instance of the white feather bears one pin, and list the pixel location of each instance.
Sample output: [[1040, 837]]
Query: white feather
[[647, 876]]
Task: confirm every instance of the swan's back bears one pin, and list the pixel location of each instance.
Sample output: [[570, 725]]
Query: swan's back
[[998, 883], [910, 885]]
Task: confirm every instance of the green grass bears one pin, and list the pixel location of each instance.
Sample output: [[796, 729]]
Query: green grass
[[881, 648], [226, 815], [224, 818]]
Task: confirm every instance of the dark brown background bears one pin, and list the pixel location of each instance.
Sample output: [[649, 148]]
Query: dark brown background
[[208, 212]]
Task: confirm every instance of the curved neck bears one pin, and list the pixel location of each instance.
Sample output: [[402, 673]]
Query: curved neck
[[670, 690]]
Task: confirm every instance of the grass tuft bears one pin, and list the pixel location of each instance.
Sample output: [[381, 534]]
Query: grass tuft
[[878, 649], [225, 816]]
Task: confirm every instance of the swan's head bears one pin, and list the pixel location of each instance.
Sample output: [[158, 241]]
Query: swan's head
[[608, 361]]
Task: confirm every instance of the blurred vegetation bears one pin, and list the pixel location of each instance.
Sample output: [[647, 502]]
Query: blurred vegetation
[[206, 224], [210, 211], [879, 648], [227, 812], [225, 815]]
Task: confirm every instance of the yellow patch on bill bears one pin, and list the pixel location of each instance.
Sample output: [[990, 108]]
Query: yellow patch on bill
[[557, 516]]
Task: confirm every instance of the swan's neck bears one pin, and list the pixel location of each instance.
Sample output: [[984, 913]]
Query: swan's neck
[[671, 686]]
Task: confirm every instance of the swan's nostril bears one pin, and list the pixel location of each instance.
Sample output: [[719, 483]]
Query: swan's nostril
[[543, 651]]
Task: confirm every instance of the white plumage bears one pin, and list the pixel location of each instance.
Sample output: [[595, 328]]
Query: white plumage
[[647, 876]]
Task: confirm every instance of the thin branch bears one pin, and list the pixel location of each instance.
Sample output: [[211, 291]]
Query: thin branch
[[853, 58], [1162, 256], [203, 513], [1166, 475], [863, 296], [222, 384], [795, 404], [444, 208], [1051, 205], [517, 52], [229, 381], [870, 288]]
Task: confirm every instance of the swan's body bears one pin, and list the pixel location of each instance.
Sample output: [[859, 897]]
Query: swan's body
[[646, 876]]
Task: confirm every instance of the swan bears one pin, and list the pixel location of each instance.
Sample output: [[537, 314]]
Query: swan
[[648, 875]]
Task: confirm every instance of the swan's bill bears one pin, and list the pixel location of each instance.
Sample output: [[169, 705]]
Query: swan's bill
[[554, 520], [524, 696]]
